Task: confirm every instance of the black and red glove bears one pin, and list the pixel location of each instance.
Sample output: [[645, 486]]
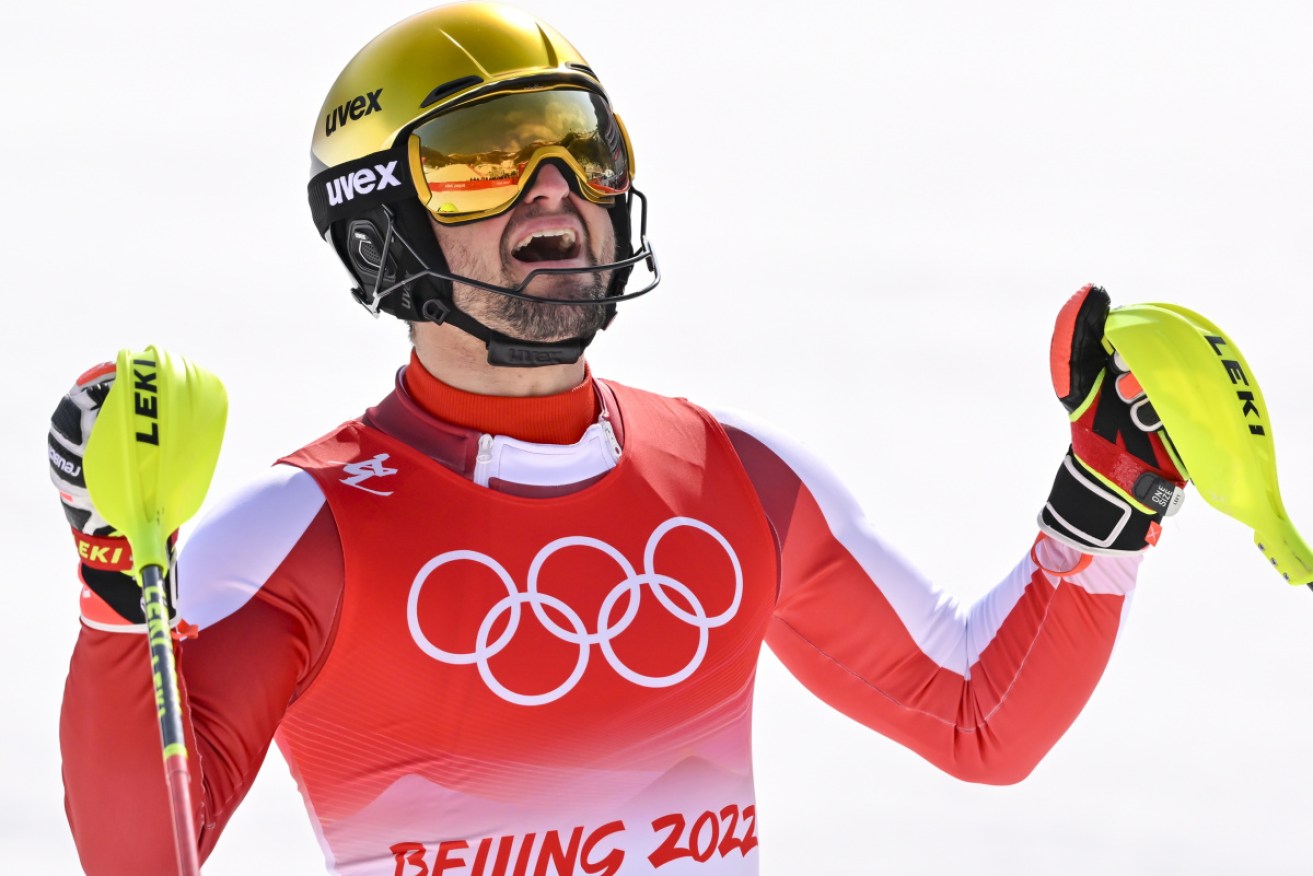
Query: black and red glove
[[111, 597], [1121, 475]]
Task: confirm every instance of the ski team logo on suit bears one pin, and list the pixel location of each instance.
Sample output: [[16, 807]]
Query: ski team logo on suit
[[617, 613], [364, 469]]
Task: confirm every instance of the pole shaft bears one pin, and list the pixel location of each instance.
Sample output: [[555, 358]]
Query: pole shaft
[[168, 702]]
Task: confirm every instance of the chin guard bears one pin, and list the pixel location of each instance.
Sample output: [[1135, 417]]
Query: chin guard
[[400, 270]]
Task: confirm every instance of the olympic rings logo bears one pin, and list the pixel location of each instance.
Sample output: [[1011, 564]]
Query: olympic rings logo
[[608, 627]]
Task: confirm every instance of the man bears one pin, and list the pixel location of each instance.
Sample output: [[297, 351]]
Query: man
[[508, 620]]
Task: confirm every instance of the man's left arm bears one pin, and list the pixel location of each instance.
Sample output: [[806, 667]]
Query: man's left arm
[[982, 691]]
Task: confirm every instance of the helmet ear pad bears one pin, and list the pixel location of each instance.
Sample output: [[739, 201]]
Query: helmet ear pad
[[363, 243], [408, 254]]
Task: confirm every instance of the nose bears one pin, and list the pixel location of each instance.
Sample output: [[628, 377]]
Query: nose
[[548, 184]]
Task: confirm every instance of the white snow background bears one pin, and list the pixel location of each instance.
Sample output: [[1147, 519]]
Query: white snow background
[[868, 216]]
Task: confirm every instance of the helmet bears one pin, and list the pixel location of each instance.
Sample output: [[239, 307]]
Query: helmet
[[398, 145]]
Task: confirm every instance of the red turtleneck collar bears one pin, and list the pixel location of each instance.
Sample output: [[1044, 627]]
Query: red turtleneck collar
[[542, 419]]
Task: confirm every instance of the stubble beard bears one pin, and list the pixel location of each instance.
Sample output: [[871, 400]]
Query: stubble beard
[[529, 320], [536, 321]]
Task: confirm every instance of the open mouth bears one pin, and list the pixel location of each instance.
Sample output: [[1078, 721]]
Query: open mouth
[[547, 246]]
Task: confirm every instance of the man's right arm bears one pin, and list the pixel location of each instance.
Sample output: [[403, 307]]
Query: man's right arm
[[261, 579]]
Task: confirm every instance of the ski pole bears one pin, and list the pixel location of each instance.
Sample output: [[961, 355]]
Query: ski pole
[[148, 465], [1208, 399]]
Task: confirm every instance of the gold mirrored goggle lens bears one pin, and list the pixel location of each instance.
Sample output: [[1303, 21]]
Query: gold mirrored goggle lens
[[474, 160]]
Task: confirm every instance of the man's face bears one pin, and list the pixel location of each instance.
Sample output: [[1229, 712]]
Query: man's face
[[549, 228]]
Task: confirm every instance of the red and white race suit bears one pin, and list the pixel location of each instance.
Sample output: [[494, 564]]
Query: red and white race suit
[[484, 656]]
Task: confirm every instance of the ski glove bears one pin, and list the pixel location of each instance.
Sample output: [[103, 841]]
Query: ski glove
[[111, 597], [1121, 475]]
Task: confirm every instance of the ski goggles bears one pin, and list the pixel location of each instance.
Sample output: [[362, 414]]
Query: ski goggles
[[474, 160]]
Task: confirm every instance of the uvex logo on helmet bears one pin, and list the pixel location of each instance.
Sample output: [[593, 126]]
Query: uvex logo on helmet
[[361, 182], [357, 107]]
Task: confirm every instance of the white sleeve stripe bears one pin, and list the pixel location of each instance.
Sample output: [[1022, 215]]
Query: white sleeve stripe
[[947, 632], [242, 542]]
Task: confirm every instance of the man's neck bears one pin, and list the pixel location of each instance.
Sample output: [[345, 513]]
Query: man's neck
[[459, 360]]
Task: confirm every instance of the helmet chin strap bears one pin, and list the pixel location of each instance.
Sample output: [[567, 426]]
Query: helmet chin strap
[[503, 349]]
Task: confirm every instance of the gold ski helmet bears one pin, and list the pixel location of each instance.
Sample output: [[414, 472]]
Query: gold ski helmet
[[448, 115]]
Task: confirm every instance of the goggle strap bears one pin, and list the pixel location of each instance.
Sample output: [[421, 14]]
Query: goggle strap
[[350, 188]]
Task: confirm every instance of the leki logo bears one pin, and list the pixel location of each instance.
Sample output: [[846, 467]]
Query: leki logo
[[356, 108], [609, 626], [366, 469], [1237, 375], [146, 400], [361, 182]]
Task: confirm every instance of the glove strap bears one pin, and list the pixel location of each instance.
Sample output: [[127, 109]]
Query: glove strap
[[1149, 492], [105, 553], [1083, 512], [111, 596]]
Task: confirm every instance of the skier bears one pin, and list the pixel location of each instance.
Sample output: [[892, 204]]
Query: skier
[[507, 620]]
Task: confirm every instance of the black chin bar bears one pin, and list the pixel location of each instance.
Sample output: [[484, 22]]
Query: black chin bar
[[504, 350]]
